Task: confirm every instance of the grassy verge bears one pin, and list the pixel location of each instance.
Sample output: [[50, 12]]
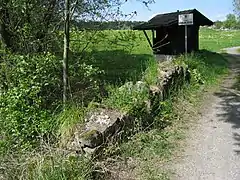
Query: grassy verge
[[50, 164], [142, 155], [146, 153], [129, 59]]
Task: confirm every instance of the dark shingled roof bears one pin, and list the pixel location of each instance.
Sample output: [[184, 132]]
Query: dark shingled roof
[[169, 19]]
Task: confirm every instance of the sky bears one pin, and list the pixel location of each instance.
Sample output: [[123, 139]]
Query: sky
[[213, 9]]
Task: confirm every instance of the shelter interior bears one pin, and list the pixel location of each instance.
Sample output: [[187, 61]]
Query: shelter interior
[[168, 37]]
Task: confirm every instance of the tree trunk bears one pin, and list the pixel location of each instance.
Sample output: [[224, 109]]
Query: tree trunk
[[66, 51], [5, 35]]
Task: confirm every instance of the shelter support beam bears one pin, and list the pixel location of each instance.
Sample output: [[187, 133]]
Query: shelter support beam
[[153, 36], [186, 39], [149, 41]]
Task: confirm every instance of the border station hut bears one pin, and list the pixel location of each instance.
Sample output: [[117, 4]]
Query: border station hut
[[169, 37]]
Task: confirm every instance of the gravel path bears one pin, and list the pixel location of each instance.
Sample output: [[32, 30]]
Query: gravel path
[[213, 151]]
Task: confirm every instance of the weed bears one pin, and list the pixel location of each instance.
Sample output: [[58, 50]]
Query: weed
[[47, 165]]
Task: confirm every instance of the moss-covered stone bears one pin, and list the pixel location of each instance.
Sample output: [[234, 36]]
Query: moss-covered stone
[[105, 125], [91, 138]]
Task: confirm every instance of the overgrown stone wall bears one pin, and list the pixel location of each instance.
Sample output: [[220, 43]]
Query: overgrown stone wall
[[105, 125]]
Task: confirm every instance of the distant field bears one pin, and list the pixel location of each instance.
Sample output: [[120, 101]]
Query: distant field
[[124, 55], [135, 41], [215, 40]]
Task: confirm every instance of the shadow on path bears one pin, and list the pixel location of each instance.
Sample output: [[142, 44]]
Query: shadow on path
[[229, 110]]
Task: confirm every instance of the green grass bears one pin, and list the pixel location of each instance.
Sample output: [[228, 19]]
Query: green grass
[[132, 60], [50, 165], [150, 149], [215, 40], [67, 120], [122, 55], [125, 56]]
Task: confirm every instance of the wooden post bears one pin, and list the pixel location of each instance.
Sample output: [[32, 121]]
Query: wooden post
[[66, 50], [186, 39], [148, 39], [185, 20], [153, 35]]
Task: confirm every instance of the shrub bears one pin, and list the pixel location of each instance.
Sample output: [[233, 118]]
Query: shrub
[[29, 86], [31, 91]]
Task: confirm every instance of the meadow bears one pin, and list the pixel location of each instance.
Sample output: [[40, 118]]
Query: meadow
[[124, 55], [100, 62], [131, 59], [215, 40]]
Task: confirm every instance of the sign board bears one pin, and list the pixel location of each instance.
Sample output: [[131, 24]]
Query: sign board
[[185, 19]]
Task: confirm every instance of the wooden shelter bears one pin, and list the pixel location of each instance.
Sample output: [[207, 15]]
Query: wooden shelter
[[169, 37]]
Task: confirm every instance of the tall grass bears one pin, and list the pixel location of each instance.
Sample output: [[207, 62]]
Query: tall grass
[[50, 164], [124, 58]]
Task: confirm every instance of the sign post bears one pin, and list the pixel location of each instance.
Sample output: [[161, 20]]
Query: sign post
[[186, 39], [185, 20]]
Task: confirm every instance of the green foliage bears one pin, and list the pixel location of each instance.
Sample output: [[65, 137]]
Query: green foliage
[[51, 165], [197, 76], [218, 24], [165, 115], [150, 74], [68, 120], [127, 96], [25, 84], [121, 55], [107, 25], [236, 5], [29, 26], [150, 148], [231, 22], [85, 80], [30, 92], [204, 66]]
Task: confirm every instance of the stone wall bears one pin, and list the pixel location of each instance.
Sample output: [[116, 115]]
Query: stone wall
[[105, 125]]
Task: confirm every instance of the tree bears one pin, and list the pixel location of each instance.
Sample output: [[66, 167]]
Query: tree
[[66, 50], [218, 24], [101, 10], [30, 26], [27, 26], [5, 33], [236, 4], [231, 21]]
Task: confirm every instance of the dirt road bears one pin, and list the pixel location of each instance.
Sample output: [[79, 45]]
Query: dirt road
[[213, 151]]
